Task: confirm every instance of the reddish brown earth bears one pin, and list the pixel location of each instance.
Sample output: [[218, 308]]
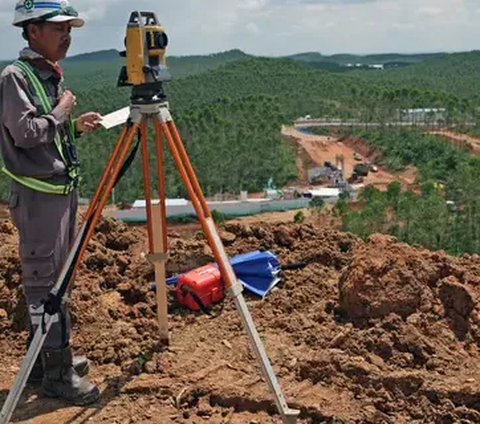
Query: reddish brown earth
[[368, 332]]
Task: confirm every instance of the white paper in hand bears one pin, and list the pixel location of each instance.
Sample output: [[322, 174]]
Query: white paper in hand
[[115, 118]]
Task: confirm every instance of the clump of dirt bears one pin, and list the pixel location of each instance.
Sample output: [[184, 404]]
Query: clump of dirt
[[13, 314], [387, 277]]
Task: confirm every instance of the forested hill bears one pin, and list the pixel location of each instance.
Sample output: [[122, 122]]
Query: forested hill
[[456, 73], [300, 89], [235, 54], [105, 65], [230, 107], [344, 62]]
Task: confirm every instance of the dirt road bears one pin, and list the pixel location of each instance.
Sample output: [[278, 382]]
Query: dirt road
[[460, 140], [314, 150]]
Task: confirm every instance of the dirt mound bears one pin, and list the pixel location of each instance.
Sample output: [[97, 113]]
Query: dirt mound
[[12, 310], [367, 332], [387, 277], [419, 302]]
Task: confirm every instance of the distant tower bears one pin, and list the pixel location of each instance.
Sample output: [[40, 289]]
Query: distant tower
[[340, 163]]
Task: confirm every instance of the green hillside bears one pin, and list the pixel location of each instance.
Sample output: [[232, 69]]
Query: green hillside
[[425, 218], [230, 118], [103, 67], [230, 107], [350, 62], [98, 56], [455, 73], [365, 59]]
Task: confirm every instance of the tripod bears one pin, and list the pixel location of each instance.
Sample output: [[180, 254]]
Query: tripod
[[148, 106]]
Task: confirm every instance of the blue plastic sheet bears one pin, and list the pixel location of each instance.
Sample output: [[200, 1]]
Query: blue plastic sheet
[[258, 271]]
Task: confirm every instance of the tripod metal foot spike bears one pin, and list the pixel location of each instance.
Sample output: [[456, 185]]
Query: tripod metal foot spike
[[289, 415]]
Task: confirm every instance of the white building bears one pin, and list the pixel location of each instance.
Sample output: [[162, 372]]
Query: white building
[[422, 115], [324, 193]]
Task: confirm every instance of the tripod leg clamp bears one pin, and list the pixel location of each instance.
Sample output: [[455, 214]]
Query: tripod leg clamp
[[236, 290], [52, 306], [164, 115], [157, 257]]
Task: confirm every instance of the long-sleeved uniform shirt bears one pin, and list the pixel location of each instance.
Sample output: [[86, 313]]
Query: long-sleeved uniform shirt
[[26, 134]]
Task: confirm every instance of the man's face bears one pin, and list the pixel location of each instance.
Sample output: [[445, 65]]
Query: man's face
[[52, 39]]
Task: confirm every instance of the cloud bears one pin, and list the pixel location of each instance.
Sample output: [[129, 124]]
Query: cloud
[[252, 28], [276, 27]]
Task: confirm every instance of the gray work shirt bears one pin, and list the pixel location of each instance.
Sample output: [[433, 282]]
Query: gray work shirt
[[26, 135]]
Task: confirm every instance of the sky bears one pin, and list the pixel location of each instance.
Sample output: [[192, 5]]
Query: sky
[[275, 27]]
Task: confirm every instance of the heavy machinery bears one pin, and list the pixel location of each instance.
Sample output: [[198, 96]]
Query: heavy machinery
[[360, 170]]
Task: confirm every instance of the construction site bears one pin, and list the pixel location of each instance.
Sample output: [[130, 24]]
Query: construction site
[[367, 332], [327, 166], [343, 162], [260, 310], [372, 331]]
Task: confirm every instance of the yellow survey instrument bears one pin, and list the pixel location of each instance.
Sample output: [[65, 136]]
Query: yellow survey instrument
[[145, 43]]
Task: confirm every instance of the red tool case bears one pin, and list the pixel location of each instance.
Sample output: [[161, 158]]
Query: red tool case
[[200, 288]]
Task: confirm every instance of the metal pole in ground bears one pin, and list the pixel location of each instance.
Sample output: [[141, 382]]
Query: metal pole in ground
[[289, 416], [232, 285], [25, 370]]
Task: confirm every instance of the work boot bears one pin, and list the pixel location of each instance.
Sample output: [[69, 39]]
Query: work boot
[[80, 363], [60, 379]]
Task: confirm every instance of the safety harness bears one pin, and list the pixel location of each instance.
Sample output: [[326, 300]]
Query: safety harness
[[68, 155]]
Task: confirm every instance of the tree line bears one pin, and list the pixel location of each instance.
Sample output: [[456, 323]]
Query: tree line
[[231, 115], [443, 215]]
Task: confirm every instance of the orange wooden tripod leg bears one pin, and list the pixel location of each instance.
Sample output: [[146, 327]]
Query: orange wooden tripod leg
[[188, 167], [183, 173], [201, 207], [107, 189], [161, 182], [146, 183], [113, 159]]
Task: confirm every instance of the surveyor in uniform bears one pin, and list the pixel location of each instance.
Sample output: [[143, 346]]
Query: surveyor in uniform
[[37, 136]]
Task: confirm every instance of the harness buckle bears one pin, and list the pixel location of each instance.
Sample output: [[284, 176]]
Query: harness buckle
[[72, 185]]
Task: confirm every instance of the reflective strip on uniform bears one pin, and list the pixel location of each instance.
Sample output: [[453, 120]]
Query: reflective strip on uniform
[[34, 183], [47, 107]]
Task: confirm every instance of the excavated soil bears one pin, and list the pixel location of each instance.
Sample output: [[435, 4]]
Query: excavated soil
[[367, 332]]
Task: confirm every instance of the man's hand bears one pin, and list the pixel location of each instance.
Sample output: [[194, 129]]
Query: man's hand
[[88, 122], [67, 101]]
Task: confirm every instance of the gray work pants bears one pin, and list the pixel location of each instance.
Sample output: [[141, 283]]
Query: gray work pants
[[47, 227]]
